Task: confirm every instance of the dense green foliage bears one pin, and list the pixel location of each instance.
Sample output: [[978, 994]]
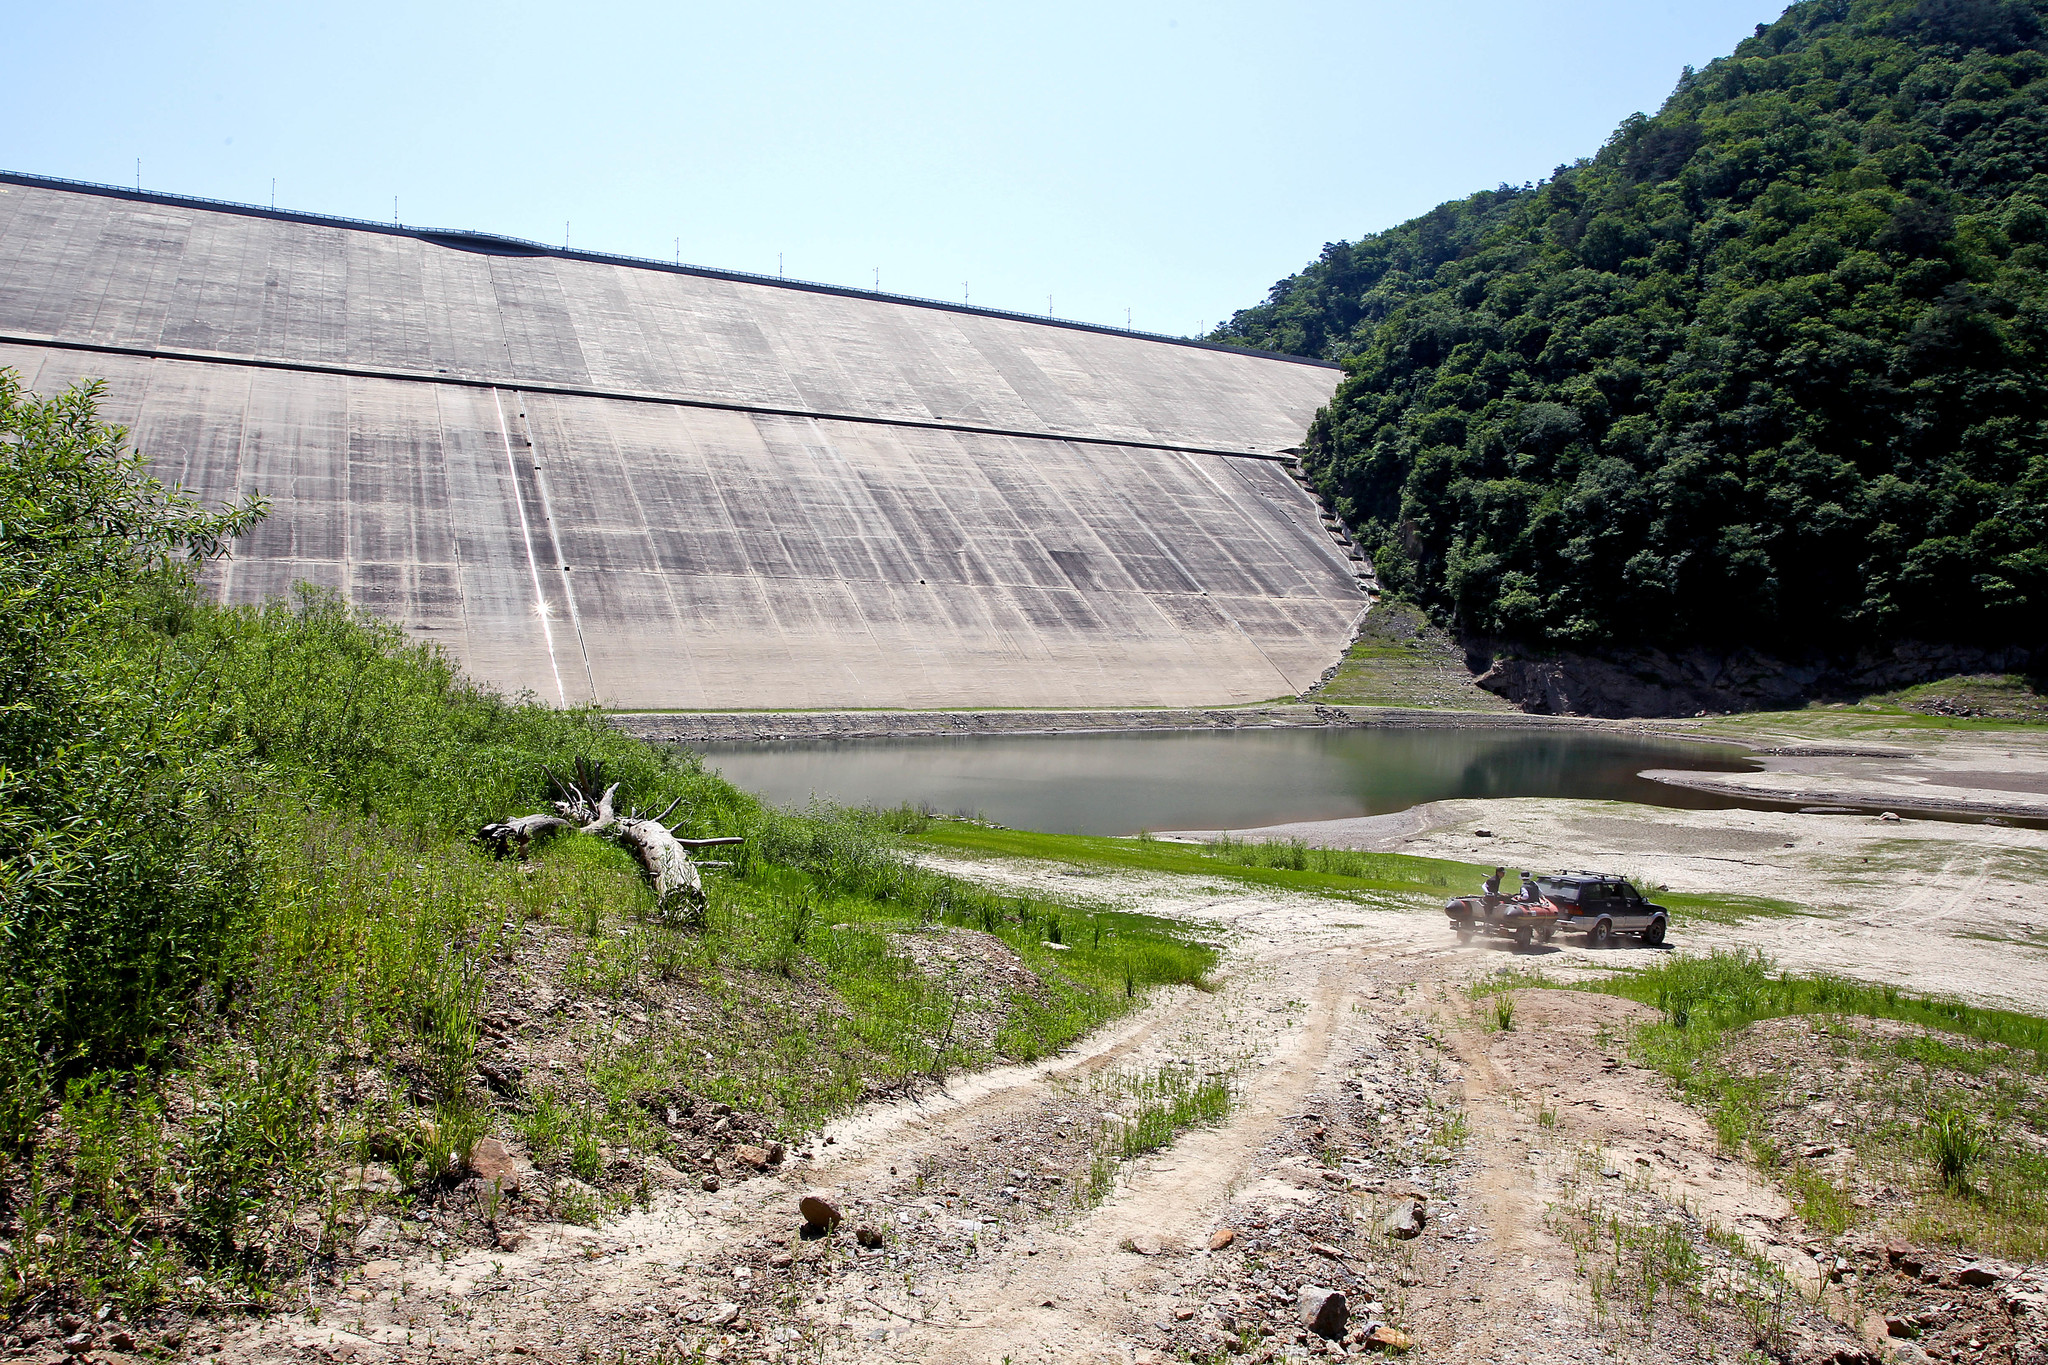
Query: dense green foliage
[[247, 937], [1771, 368]]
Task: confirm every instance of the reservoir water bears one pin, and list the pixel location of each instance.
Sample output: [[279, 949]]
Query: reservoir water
[[1120, 784]]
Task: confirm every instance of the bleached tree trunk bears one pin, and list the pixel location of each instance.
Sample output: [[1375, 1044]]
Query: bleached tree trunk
[[677, 881], [513, 835]]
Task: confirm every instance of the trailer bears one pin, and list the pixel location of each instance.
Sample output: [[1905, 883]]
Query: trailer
[[1527, 922]]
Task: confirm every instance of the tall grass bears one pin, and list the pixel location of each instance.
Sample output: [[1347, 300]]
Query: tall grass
[[1726, 990], [1298, 855]]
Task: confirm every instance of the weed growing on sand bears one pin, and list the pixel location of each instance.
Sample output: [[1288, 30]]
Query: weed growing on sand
[[1504, 1012], [1144, 1112], [1909, 1088], [1504, 979], [1640, 1252], [1956, 1146]]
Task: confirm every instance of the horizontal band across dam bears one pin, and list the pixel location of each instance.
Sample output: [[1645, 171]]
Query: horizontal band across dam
[[605, 481]]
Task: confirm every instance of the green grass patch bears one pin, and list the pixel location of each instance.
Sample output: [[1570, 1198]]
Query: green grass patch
[[1935, 1117], [1727, 990], [1282, 863], [1713, 907]]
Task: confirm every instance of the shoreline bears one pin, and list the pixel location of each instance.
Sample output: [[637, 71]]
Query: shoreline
[[1868, 777], [714, 727]]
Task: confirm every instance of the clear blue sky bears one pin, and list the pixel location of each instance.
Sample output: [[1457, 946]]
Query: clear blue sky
[[1173, 158]]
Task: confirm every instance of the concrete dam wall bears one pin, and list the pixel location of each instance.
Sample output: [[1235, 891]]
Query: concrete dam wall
[[609, 480]]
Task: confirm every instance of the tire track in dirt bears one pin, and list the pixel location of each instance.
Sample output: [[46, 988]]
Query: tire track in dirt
[[1307, 1008]]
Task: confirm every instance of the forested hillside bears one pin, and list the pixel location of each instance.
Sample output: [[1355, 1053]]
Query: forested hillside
[[1767, 370]]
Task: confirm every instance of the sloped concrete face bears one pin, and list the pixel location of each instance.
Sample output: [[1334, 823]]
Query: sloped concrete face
[[600, 480]]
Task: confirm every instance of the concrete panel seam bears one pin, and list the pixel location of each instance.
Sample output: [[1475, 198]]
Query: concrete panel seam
[[616, 395]]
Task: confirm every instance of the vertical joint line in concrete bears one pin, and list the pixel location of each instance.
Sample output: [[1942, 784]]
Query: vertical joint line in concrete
[[547, 509], [540, 601]]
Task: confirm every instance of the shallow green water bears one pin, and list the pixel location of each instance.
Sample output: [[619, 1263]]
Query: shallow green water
[[1120, 784]]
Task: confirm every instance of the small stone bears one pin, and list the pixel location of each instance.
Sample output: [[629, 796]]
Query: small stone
[[378, 1234], [372, 1178], [753, 1158], [512, 1241], [1322, 1311], [724, 1315], [1407, 1219], [1222, 1238], [1325, 1249], [1183, 1314], [1388, 1339], [819, 1212], [782, 1260], [1977, 1275], [867, 1236], [1900, 1327], [1143, 1243], [710, 1182], [490, 1160], [77, 1342]]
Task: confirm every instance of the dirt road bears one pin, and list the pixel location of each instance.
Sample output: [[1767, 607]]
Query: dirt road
[[1363, 1076]]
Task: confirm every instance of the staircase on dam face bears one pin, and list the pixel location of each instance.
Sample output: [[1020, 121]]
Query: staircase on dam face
[[660, 487]]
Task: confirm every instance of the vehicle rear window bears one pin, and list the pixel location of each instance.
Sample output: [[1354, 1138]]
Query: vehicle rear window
[[1558, 891]]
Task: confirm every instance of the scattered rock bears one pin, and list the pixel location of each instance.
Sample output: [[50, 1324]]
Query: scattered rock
[[867, 1236], [1325, 1249], [820, 1212], [782, 1260], [710, 1182], [372, 1178], [724, 1315], [1183, 1314], [1386, 1338], [120, 1339], [1322, 1311], [1978, 1275], [1144, 1243], [1407, 1219], [1900, 1327], [512, 1241], [753, 1158], [377, 1234], [1222, 1238], [492, 1160]]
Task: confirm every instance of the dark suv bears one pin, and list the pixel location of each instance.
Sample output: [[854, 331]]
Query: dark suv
[[1603, 906]]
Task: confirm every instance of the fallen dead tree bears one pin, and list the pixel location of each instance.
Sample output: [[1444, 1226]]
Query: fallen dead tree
[[584, 802]]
